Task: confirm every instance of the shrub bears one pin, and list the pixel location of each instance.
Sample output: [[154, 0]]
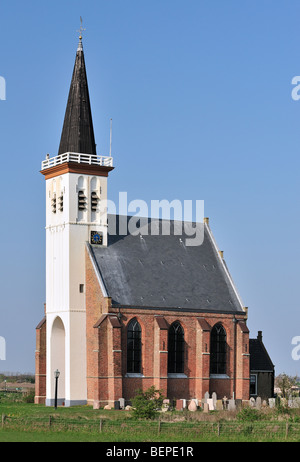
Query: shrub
[[29, 397], [147, 403], [249, 415]]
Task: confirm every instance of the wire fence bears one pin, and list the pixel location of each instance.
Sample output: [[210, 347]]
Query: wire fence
[[187, 431]]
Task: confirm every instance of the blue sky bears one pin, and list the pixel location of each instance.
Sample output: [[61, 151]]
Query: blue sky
[[200, 96]]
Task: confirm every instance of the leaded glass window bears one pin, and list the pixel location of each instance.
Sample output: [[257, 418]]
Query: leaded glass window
[[176, 349], [134, 347], [218, 350]]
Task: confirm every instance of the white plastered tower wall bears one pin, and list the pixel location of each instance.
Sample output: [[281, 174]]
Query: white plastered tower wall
[[68, 228]]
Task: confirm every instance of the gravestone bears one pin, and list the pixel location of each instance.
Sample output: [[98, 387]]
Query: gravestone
[[179, 405], [252, 401], [184, 403], [297, 402], [117, 405], [225, 402], [166, 405], [238, 403], [214, 398], [192, 406], [206, 396], [210, 403], [219, 405], [122, 403], [258, 402], [272, 402], [205, 408], [231, 405]]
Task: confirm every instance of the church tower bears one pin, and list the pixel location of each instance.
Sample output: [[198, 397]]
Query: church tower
[[76, 213]]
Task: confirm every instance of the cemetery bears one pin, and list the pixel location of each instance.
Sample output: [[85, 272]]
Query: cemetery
[[212, 403], [213, 418]]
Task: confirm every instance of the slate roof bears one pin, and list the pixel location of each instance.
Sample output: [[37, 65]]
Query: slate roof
[[78, 132], [259, 357], [162, 272]]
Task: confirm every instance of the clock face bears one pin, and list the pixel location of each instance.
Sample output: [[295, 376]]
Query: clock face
[[96, 237]]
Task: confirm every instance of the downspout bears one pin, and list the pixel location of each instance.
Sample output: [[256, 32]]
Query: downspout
[[234, 356]]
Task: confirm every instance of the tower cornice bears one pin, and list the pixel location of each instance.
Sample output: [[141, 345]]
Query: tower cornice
[[72, 167]]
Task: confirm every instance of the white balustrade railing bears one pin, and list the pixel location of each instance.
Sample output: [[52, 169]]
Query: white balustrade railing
[[79, 158]]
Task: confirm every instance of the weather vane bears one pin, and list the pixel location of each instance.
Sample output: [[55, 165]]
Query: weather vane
[[81, 29]]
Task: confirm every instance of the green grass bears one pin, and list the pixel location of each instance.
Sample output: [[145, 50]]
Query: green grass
[[143, 436]]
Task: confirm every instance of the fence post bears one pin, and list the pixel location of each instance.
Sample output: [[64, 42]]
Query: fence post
[[100, 426], [286, 430], [3, 420], [50, 421], [159, 426]]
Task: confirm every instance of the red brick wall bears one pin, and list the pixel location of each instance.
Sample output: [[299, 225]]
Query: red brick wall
[[154, 357], [40, 364], [97, 357], [243, 361], [107, 351]]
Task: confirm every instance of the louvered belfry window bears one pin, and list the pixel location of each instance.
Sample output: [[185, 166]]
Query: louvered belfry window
[[176, 349], [218, 350], [81, 200], [134, 347]]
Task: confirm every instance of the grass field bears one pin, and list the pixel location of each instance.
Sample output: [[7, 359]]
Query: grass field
[[26, 422]]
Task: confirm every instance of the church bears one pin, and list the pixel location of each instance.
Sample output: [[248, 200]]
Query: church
[[125, 310]]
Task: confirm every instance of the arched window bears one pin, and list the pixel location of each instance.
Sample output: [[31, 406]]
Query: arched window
[[176, 349], [134, 347], [218, 350]]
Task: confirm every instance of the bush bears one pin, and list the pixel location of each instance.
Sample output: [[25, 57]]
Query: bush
[[146, 404], [29, 397], [249, 415]]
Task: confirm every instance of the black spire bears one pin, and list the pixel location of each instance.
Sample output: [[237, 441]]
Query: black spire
[[78, 132]]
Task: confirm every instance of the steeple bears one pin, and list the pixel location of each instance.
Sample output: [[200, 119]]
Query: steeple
[[78, 132]]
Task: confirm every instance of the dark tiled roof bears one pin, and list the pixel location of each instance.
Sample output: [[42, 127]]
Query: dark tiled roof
[[78, 132], [112, 318], [162, 324], [41, 323], [259, 357], [243, 327], [204, 324], [160, 271]]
